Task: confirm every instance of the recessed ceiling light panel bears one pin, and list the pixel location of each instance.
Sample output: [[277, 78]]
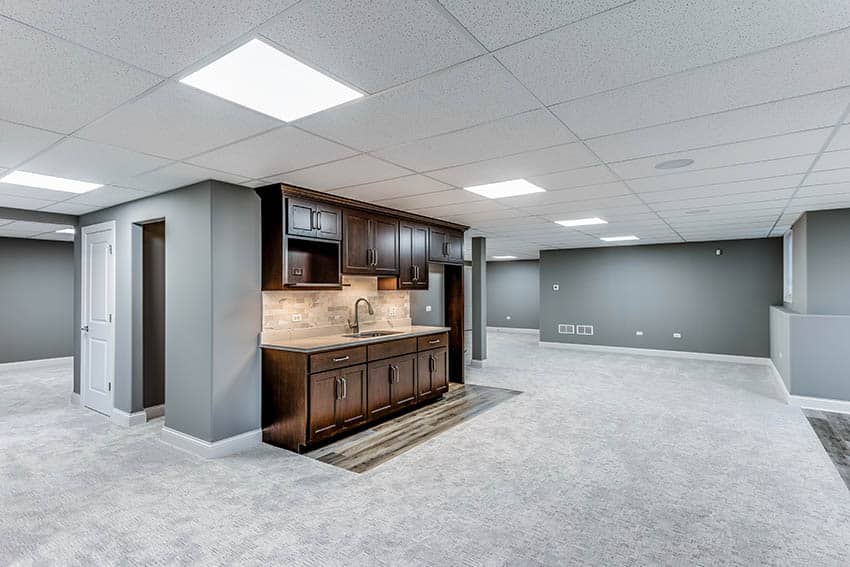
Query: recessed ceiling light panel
[[504, 257], [503, 189], [619, 238], [28, 179], [265, 79], [582, 222], [674, 164], [66, 231]]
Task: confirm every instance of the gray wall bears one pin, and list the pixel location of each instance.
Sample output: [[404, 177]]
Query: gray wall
[[433, 296], [513, 290], [36, 299], [213, 305], [827, 262], [799, 271], [719, 303]]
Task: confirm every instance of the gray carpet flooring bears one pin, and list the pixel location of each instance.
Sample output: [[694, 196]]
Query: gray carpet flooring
[[605, 459]]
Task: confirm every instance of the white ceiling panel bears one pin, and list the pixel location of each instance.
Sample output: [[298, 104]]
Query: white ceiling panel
[[54, 236], [761, 169], [761, 149], [497, 23], [449, 197], [108, 196], [593, 175], [525, 165], [828, 189], [719, 189], [755, 79], [274, 152], [819, 202], [736, 211], [70, 208], [566, 195], [83, 160], [392, 188], [841, 140], [51, 84], [26, 229], [350, 171], [644, 40], [791, 115], [514, 134], [372, 44], [17, 143], [473, 218], [627, 204], [34, 192], [177, 175], [162, 38], [462, 96], [19, 202], [833, 160], [177, 121], [826, 177], [730, 199], [482, 206]]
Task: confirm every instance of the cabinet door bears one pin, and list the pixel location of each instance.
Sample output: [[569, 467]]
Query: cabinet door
[[324, 390], [406, 266], [299, 217], [404, 385], [351, 405], [328, 222], [356, 243], [420, 256], [455, 247], [379, 397], [437, 244], [423, 374], [439, 369], [385, 245]]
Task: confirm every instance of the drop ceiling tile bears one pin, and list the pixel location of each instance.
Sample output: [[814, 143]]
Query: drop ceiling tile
[[567, 195], [830, 176], [755, 79], [820, 202], [54, 236], [350, 171], [497, 23], [462, 96], [827, 189], [783, 117], [626, 204], [17, 143], [448, 197], [19, 202], [163, 38], [70, 208], [645, 40], [372, 44], [108, 196], [473, 218], [26, 229], [57, 85], [34, 192], [841, 140], [274, 152], [731, 199], [593, 175], [771, 168], [83, 160], [734, 211], [178, 175], [718, 189], [392, 188], [761, 149], [833, 160], [515, 134], [525, 165], [177, 121]]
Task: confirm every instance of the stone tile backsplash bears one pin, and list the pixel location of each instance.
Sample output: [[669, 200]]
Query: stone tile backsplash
[[328, 312]]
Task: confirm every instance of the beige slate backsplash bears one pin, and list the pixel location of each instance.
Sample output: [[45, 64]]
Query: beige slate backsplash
[[328, 312]]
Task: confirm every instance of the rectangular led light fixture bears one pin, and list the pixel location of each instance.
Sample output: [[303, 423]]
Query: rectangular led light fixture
[[504, 257], [66, 231], [619, 238], [503, 189], [262, 78], [28, 179], [582, 222]]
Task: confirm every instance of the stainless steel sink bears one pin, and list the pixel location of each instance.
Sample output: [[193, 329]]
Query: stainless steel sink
[[370, 334]]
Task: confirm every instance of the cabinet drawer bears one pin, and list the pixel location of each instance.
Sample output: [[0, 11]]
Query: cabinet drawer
[[391, 348], [433, 341], [337, 359]]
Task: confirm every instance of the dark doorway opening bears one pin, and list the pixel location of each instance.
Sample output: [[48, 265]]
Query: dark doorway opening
[[153, 316]]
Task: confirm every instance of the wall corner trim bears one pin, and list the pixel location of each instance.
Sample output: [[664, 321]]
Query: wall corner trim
[[515, 330], [821, 404], [762, 361], [125, 419], [215, 449]]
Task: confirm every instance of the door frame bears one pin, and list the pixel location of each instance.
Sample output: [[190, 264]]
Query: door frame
[[84, 232]]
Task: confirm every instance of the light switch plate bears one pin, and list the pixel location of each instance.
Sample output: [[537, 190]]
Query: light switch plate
[[639, 333], [427, 308], [677, 335]]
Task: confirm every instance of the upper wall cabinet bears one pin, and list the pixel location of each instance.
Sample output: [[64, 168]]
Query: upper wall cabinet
[[412, 256], [313, 219], [445, 246], [369, 244]]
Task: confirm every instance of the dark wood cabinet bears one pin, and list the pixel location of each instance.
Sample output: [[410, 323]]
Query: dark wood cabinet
[[370, 244], [313, 219], [380, 390], [445, 246], [337, 400], [432, 372], [412, 256]]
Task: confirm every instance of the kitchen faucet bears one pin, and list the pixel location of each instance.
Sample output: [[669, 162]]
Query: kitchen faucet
[[356, 325]]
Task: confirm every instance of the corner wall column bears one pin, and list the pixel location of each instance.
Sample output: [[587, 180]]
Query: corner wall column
[[479, 300]]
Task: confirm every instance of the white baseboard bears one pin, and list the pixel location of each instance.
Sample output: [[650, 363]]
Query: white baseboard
[[125, 419], [822, 404], [784, 394], [74, 399], [659, 352], [154, 412], [476, 363], [36, 363], [215, 449], [516, 330]]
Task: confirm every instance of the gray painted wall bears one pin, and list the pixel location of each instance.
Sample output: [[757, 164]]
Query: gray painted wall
[[212, 306], [433, 296], [720, 304], [799, 271], [36, 299], [827, 262], [513, 290]]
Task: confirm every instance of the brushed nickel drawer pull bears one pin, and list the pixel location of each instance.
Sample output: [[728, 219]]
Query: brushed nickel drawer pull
[[344, 388], [341, 358], [433, 341]]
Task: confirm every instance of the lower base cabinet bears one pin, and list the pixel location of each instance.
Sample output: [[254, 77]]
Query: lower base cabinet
[[433, 372], [337, 400]]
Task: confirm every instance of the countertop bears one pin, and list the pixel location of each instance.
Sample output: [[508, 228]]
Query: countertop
[[331, 342]]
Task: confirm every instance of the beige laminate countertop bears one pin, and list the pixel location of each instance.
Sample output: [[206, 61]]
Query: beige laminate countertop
[[331, 342]]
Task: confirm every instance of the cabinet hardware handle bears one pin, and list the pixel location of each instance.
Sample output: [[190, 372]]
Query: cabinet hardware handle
[[341, 358], [445, 248], [433, 341], [397, 375], [344, 388], [413, 276], [374, 256], [319, 220], [417, 273], [432, 363], [337, 388]]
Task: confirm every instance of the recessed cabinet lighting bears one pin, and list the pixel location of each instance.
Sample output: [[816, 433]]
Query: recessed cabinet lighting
[[504, 257], [66, 231], [503, 189], [28, 179], [265, 79], [619, 238], [582, 222]]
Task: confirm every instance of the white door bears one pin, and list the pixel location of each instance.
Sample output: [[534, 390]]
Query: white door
[[97, 348]]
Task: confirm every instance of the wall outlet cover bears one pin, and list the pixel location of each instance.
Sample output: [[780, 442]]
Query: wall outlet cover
[[565, 329], [296, 317], [677, 335], [639, 333], [392, 311]]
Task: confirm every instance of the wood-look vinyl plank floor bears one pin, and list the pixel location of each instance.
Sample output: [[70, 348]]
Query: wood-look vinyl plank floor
[[833, 430], [374, 446]]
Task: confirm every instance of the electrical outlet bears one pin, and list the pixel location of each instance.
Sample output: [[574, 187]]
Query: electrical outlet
[[677, 335], [296, 317], [566, 329], [427, 308], [639, 333], [393, 311]]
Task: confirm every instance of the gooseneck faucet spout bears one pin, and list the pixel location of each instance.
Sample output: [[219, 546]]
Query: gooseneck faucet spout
[[356, 325]]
